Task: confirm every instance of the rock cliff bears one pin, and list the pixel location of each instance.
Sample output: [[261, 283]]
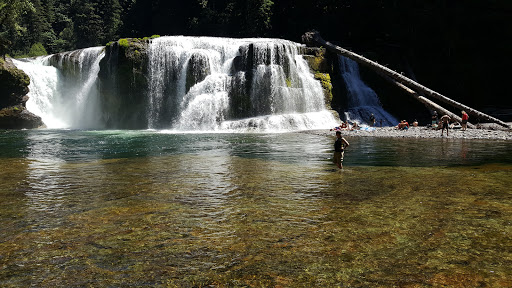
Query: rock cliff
[[13, 96], [123, 82]]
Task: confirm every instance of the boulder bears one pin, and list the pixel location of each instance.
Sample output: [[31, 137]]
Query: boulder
[[14, 83], [18, 117], [13, 96]]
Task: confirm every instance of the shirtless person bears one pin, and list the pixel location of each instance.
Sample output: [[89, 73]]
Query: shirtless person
[[444, 123], [339, 149]]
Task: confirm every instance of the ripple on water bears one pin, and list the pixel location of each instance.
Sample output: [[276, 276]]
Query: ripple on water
[[225, 217]]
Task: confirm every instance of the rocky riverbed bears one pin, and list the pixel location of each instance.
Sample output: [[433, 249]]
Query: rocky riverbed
[[486, 131]]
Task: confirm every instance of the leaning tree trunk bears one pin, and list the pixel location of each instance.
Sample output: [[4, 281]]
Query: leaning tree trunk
[[314, 37], [428, 103]]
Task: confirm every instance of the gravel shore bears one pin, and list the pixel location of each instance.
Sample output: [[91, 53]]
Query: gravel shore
[[486, 132]]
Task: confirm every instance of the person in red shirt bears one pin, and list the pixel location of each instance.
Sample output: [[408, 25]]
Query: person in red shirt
[[465, 118]]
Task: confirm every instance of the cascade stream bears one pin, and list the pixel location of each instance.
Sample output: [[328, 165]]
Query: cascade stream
[[362, 100]]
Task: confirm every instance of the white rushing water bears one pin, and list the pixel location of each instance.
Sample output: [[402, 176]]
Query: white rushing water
[[194, 84], [65, 96], [200, 76], [362, 100]]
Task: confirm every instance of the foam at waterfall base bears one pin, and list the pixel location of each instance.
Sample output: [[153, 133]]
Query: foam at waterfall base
[[270, 124]]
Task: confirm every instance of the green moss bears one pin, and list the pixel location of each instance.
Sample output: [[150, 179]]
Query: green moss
[[149, 38], [317, 60], [10, 111], [124, 43], [325, 81]]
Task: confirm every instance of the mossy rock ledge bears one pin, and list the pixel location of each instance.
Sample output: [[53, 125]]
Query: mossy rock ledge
[[321, 65], [124, 83], [13, 96]]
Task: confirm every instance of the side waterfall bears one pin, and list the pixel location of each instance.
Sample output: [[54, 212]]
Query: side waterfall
[[193, 84], [362, 100], [63, 88]]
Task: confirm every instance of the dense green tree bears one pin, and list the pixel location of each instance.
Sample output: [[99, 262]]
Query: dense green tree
[[419, 37], [11, 22], [37, 49], [88, 26], [110, 13]]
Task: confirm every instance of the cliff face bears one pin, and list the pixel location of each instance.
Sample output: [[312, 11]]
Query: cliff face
[[13, 96], [123, 82], [324, 66]]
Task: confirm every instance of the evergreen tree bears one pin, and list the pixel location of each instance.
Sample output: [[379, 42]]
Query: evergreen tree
[[110, 13], [88, 25], [12, 26]]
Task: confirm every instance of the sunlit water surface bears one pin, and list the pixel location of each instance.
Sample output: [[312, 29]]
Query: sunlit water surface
[[145, 208]]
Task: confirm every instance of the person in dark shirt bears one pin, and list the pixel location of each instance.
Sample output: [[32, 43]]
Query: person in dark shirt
[[372, 120], [339, 149]]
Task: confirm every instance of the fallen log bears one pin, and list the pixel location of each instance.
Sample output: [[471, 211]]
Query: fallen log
[[429, 104], [314, 38]]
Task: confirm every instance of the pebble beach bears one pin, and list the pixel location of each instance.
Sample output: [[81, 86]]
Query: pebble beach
[[486, 132]]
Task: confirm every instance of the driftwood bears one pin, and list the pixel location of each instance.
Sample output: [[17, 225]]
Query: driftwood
[[429, 104], [314, 38]]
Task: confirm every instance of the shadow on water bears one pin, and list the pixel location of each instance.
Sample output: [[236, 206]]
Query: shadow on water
[[141, 208]]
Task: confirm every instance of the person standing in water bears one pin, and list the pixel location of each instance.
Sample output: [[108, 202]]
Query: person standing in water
[[339, 149]]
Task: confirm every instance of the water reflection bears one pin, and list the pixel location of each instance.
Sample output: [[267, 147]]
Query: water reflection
[[47, 186], [143, 209]]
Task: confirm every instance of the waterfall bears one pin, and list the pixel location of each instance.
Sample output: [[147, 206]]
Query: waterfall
[[362, 100], [63, 89], [189, 84], [222, 84]]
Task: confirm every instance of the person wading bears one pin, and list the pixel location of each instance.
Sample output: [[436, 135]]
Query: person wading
[[339, 149]]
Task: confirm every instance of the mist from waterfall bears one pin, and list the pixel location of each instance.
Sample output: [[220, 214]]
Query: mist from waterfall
[[63, 88], [362, 100]]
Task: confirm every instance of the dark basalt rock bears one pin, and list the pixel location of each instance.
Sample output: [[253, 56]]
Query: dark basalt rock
[[18, 117], [123, 81], [13, 96], [14, 83]]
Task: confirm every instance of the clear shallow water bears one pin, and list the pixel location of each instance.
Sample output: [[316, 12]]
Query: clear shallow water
[[144, 208]]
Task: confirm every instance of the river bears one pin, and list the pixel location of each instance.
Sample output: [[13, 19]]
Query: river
[[158, 208]]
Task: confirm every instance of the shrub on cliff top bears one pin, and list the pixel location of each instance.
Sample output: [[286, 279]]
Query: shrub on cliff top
[[123, 43]]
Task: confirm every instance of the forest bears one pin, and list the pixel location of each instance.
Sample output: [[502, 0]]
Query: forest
[[457, 47]]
